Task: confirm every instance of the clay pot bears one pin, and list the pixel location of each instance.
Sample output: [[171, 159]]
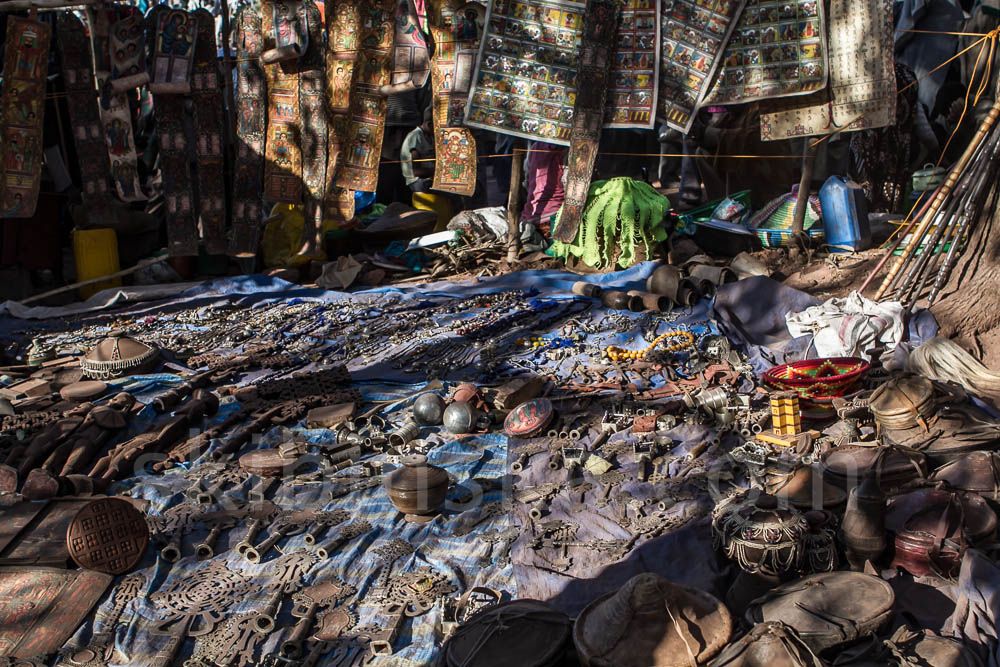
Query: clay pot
[[863, 529], [417, 488]]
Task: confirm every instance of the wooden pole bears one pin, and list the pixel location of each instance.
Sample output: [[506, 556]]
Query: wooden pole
[[802, 201], [513, 206], [939, 198], [90, 281]]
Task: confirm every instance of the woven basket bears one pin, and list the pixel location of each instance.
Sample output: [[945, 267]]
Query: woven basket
[[773, 223], [818, 379]]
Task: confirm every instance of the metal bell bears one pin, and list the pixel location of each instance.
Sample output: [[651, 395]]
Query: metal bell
[[461, 417], [428, 409]]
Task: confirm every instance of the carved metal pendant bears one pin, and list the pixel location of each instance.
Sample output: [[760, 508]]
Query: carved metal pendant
[[200, 598], [416, 591], [232, 644]]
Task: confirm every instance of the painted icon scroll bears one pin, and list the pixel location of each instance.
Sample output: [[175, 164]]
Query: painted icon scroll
[[862, 90], [456, 27], [22, 107], [635, 67], [693, 34], [526, 73], [778, 49]]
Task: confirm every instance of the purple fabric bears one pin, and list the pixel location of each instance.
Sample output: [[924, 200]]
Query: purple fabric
[[751, 312], [684, 554], [543, 172], [977, 606]]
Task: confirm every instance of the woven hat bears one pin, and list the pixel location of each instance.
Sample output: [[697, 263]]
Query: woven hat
[[828, 609], [117, 356], [771, 644], [976, 471], [903, 402], [526, 633], [804, 487], [651, 622]]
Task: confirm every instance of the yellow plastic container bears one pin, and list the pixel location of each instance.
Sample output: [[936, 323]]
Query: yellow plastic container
[[96, 252], [436, 202]]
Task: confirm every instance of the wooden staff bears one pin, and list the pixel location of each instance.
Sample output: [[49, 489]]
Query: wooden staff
[[513, 206], [940, 197], [802, 200]]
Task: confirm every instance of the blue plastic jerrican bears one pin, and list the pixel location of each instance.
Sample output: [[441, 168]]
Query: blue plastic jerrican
[[845, 215]]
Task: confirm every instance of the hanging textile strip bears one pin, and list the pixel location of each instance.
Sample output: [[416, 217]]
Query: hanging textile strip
[[251, 125], [525, 80], [358, 168], [635, 67], [22, 108], [84, 115], [693, 36], [128, 54], [182, 227], [289, 28], [343, 23], [173, 51], [456, 28], [206, 95], [410, 58], [315, 126], [282, 158], [777, 49], [862, 91], [600, 28], [116, 115]]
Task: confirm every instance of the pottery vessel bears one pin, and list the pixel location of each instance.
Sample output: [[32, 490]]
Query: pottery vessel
[[417, 488]]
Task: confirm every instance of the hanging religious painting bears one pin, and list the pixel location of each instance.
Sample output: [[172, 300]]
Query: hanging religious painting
[[312, 104], [77, 65], [173, 52], [456, 27], [282, 157], [182, 227], [22, 108], [358, 169], [600, 27], [635, 67], [343, 23], [251, 125], [777, 49], [525, 80], [410, 58], [116, 115], [288, 34], [206, 95], [693, 34], [128, 53], [862, 90]]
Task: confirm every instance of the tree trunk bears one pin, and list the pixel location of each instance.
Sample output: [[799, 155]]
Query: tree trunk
[[970, 306]]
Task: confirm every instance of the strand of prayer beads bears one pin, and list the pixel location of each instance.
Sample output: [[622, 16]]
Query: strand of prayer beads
[[685, 339]]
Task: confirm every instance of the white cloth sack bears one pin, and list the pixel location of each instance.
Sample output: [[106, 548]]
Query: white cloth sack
[[849, 327]]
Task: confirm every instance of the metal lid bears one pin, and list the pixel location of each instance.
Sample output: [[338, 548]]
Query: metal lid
[[108, 535], [416, 474]]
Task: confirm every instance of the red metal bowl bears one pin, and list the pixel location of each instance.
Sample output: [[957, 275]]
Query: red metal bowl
[[529, 419]]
